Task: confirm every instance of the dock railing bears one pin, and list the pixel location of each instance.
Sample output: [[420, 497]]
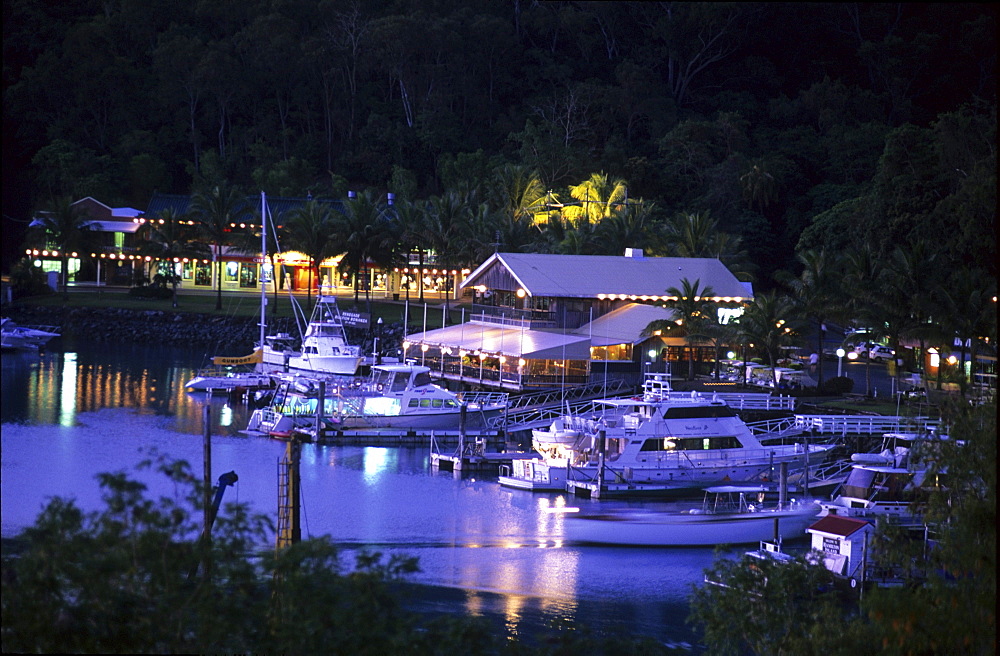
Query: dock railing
[[865, 424]]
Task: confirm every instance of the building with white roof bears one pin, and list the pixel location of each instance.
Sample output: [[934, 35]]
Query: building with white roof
[[541, 320]]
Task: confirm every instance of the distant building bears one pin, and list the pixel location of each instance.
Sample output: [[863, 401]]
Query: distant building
[[113, 244], [541, 321]]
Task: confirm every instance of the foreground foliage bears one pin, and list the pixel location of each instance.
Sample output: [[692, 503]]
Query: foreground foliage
[[794, 609], [135, 577]]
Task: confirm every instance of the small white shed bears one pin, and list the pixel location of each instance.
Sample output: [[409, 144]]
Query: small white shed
[[842, 543]]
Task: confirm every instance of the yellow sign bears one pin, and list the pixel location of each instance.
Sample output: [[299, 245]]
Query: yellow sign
[[256, 356]]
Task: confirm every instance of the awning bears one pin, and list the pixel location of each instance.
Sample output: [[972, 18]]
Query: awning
[[625, 324], [506, 340]]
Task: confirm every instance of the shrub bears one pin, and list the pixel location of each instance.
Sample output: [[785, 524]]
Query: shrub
[[838, 385], [151, 291]]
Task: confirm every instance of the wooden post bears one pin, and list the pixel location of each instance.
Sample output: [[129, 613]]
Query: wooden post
[[206, 427], [320, 409]]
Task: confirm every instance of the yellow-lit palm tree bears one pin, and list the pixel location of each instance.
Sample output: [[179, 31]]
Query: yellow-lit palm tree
[[598, 197]]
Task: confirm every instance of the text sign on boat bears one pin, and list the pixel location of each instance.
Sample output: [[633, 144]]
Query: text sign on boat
[[354, 319]]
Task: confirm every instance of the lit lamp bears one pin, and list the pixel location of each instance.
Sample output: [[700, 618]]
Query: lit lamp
[[840, 362]]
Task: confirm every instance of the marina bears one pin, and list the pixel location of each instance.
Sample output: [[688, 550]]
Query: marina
[[434, 494]]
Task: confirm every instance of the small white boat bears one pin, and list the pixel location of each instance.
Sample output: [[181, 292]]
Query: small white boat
[[729, 515], [395, 396], [25, 338]]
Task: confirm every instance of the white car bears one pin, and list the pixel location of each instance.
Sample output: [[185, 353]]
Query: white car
[[878, 353]]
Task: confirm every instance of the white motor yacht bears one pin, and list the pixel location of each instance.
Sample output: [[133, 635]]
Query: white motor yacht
[[395, 396], [663, 438]]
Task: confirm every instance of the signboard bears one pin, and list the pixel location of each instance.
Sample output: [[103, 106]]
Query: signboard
[[355, 319]]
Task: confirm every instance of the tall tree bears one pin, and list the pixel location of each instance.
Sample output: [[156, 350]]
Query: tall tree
[[66, 228], [168, 236], [767, 325], [310, 229], [215, 210], [695, 312], [817, 294]]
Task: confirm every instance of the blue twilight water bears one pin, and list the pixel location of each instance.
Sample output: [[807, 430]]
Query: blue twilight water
[[68, 416]]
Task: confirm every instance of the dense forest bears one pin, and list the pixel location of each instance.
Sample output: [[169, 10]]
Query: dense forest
[[780, 127]]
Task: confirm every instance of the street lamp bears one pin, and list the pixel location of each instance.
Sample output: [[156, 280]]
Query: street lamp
[[840, 362]]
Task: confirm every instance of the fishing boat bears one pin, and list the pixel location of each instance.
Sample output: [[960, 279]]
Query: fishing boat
[[728, 515], [325, 348], [394, 396], [227, 375], [674, 441], [25, 338]]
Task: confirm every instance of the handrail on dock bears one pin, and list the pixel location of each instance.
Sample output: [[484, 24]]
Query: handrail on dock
[[865, 424]]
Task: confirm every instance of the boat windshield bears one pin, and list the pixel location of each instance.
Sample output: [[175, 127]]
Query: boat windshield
[[699, 412], [421, 379]]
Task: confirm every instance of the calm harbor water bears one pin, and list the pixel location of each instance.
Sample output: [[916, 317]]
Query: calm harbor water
[[81, 409]]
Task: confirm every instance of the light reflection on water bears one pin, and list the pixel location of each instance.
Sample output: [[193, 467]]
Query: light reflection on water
[[68, 417]]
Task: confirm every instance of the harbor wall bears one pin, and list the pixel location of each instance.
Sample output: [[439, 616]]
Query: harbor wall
[[234, 336]]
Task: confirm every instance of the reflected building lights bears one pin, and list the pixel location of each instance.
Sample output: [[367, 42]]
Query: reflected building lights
[[67, 391]]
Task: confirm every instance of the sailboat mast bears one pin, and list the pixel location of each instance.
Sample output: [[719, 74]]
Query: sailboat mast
[[263, 263]]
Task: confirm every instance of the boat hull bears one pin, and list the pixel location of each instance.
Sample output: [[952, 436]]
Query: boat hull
[[283, 362], [689, 529]]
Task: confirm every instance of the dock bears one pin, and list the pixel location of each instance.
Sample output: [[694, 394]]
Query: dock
[[472, 454]]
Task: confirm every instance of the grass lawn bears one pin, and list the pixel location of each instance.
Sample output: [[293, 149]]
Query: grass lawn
[[246, 305]]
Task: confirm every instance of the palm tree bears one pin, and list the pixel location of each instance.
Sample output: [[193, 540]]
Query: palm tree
[[410, 220], [817, 294], [694, 312], [626, 227], [448, 223], [764, 325], [214, 211], [309, 229], [697, 234], [66, 228], [864, 281], [168, 236], [598, 197], [357, 236], [969, 299]]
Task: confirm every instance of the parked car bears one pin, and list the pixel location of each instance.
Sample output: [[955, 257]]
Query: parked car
[[878, 353]]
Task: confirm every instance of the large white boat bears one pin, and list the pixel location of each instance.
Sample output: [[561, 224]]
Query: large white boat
[[728, 515], [395, 396], [25, 338], [676, 441], [325, 348]]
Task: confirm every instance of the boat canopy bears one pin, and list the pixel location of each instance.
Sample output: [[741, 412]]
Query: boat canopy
[[509, 341]]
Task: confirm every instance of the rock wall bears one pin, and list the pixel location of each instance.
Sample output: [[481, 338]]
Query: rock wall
[[223, 335], [232, 335]]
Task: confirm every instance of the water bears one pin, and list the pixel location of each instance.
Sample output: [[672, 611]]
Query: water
[[68, 416]]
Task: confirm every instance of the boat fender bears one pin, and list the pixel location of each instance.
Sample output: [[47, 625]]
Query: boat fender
[[693, 511]]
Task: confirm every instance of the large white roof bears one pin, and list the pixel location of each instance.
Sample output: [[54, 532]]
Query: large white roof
[[586, 276]]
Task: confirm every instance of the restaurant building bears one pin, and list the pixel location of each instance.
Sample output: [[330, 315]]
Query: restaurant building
[[547, 321]]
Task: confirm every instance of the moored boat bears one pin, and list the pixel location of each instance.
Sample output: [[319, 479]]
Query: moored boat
[[663, 438], [395, 396], [224, 378], [14, 337], [325, 348], [728, 515]]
